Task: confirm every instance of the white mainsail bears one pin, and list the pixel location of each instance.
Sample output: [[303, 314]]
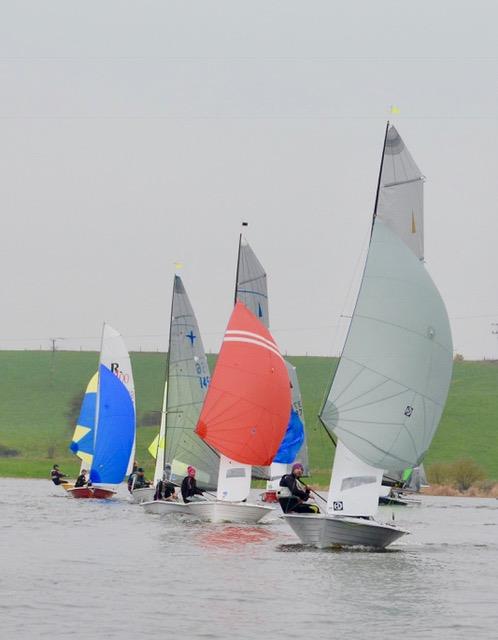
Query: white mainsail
[[116, 358], [391, 384]]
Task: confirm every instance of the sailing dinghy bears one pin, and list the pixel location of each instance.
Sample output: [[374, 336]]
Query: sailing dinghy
[[107, 448], [187, 380], [251, 288], [392, 380], [244, 416]]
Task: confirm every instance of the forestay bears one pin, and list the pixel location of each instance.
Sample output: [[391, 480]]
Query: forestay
[[392, 380], [188, 380]]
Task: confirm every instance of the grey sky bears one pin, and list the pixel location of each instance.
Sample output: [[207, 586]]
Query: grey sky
[[134, 134]]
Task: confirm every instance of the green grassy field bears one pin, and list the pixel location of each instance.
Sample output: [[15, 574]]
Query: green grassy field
[[39, 390]]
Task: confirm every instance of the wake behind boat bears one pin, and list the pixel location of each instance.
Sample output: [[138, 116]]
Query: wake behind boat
[[391, 383]]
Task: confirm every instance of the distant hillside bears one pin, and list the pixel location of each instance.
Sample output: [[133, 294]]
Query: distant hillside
[[40, 394]]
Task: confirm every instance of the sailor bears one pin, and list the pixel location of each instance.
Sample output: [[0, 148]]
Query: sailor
[[189, 486], [293, 494], [57, 476], [82, 480], [132, 476], [140, 482], [165, 489]]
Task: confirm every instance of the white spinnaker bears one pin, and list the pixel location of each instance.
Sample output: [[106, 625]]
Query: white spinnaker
[[116, 358], [401, 194], [392, 381], [188, 379], [161, 448], [354, 485]]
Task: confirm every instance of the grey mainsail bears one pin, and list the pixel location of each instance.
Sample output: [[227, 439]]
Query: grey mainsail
[[297, 404], [251, 287], [188, 379], [401, 194]]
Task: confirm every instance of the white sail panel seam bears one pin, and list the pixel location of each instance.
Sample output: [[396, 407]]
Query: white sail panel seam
[[251, 334], [256, 342]]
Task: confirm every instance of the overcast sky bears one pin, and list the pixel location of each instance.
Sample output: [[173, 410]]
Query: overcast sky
[[137, 134]]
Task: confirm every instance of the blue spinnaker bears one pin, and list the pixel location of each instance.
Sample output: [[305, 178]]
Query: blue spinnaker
[[292, 442], [115, 430]]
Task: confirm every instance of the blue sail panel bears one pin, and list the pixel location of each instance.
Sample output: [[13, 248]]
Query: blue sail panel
[[115, 430], [87, 421], [83, 434], [292, 442]]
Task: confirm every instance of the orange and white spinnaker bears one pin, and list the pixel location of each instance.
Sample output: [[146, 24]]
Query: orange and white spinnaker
[[247, 406]]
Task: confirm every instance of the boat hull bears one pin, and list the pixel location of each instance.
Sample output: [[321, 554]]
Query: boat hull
[[327, 531], [220, 511], [138, 496], [165, 507], [96, 493]]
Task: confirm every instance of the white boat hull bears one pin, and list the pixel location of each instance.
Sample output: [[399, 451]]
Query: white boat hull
[[138, 496], [332, 531], [221, 511], [165, 507]]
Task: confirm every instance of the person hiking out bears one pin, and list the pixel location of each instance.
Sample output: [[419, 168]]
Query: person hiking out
[[293, 494], [57, 476], [189, 486]]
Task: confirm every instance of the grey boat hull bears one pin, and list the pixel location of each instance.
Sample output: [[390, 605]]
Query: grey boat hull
[[332, 531]]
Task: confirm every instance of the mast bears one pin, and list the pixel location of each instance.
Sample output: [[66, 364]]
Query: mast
[[244, 224], [380, 173], [166, 377]]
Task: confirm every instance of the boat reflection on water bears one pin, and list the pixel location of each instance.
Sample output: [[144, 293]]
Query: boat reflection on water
[[233, 537]]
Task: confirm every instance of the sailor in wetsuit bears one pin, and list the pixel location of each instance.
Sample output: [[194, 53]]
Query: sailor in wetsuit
[[165, 489], [293, 493], [82, 480], [57, 476], [189, 486]]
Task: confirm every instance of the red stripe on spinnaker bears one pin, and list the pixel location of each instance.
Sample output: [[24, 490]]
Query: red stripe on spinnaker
[[247, 405]]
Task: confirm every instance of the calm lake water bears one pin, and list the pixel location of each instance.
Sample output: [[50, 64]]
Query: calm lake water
[[83, 569]]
